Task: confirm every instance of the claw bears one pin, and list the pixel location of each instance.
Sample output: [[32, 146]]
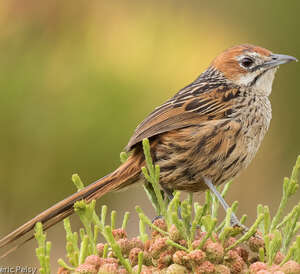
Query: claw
[[234, 222], [156, 218]]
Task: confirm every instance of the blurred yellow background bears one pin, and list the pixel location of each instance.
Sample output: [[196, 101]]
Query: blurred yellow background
[[76, 77]]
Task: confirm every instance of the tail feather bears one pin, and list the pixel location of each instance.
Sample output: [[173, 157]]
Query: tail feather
[[126, 173]]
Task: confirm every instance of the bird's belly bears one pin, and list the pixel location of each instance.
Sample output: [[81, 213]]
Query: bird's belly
[[255, 128], [219, 151]]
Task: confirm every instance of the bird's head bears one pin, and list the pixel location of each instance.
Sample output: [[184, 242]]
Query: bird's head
[[250, 66]]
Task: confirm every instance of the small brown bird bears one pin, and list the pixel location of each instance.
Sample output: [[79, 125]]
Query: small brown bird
[[203, 136]]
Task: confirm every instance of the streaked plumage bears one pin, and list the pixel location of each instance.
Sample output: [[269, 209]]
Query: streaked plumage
[[211, 129]]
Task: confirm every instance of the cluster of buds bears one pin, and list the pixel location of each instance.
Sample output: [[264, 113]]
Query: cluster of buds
[[190, 242], [161, 257]]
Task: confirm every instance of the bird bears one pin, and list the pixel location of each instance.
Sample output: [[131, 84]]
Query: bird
[[205, 135]]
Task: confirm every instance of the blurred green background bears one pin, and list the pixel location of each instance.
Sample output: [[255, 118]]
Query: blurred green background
[[76, 77]]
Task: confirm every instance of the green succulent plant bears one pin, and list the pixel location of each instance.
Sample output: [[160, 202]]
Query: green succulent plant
[[190, 240]]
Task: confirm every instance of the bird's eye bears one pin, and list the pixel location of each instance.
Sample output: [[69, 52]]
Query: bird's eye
[[247, 62]]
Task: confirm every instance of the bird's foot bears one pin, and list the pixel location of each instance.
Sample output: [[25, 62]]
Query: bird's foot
[[234, 222], [156, 218]]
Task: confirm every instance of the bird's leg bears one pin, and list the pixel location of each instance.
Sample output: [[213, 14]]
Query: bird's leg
[[169, 193], [234, 221]]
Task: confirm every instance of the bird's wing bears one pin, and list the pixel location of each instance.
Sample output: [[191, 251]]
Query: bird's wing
[[193, 105]]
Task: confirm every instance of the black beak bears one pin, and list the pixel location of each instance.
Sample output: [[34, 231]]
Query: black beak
[[279, 59]]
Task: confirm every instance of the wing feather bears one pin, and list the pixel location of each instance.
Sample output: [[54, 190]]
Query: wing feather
[[183, 110]]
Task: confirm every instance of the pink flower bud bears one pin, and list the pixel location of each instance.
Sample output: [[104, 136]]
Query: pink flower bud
[[214, 252], [158, 246], [196, 257], [291, 267], [206, 267], [255, 243], [93, 260], [222, 269], [165, 259], [109, 269], [119, 233], [125, 246], [136, 242], [278, 258], [100, 249], [180, 257], [234, 262], [174, 233], [86, 268], [133, 255], [177, 269], [255, 267]]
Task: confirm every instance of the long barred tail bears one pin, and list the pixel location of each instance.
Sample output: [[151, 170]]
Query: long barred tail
[[126, 174]]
